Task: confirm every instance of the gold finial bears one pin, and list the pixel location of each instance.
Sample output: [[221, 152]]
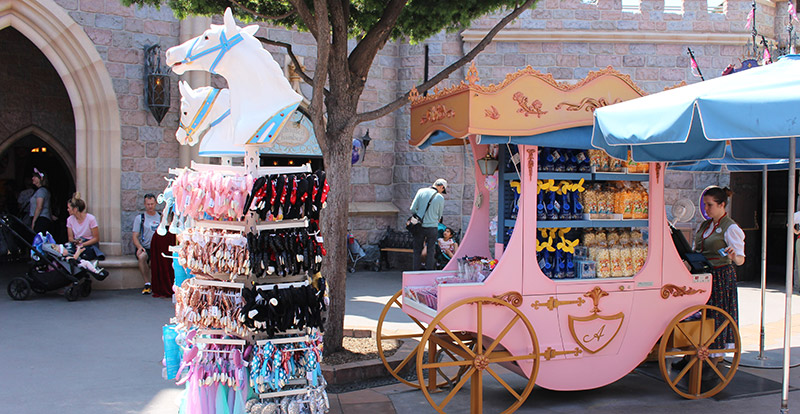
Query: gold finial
[[595, 294], [472, 74], [413, 95]]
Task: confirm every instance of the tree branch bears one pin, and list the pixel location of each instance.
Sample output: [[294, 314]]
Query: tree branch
[[374, 40], [316, 108], [263, 16], [307, 16], [399, 102], [298, 68]]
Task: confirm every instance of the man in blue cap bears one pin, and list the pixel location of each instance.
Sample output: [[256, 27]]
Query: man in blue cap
[[429, 205]]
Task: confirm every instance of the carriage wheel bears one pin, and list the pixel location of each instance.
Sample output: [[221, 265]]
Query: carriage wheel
[[691, 365], [19, 288], [483, 357], [447, 378]]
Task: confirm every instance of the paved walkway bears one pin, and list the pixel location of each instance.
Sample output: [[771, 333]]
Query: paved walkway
[[102, 355]]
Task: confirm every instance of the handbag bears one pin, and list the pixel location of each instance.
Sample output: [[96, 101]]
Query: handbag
[[414, 223]]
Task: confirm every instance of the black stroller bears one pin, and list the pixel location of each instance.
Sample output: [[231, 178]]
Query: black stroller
[[49, 269]]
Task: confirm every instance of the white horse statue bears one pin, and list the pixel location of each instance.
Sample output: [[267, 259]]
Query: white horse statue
[[205, 113], [262, 100]]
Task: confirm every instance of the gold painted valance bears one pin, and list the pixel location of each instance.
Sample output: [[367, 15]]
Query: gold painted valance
[[526, 103]]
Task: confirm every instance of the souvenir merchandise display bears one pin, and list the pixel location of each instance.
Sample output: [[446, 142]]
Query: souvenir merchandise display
[[560, 202], [216, 378], [600, 161], [422, 294], [213, 252], [278, 365], [285, 252], [564, 160], [209, 307], [288, 196], [616, 199], [276, 309], [250, 237], [209, 194], [315, 401]]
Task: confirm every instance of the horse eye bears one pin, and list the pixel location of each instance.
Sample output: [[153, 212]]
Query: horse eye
[[186, 113], [206, 37]]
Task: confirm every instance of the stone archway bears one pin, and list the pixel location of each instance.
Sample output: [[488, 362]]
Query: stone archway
[[94, 104], [46, 138]]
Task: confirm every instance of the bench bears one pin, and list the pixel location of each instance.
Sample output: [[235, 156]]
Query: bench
[[394, 242]]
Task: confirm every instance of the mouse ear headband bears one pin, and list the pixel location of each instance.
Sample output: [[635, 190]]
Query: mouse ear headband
[[39, 173]]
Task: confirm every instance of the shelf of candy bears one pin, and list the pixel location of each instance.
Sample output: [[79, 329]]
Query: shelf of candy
[[217, 253], [425, 295], [555, 252], [271, 309], [616, 253], [288, 196], [559, 202], [285, 252], [618, 200], [604, 253], [209, 307], [564, 160]]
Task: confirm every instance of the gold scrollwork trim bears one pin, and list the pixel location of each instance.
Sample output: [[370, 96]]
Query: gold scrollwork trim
[[533, 108], [531, 162], [595, 294], [472, 78], [513, 298], [678, 291], [492, 112], [551, 353], [599, 334], [436, 113], [588, 104], [552, 303]]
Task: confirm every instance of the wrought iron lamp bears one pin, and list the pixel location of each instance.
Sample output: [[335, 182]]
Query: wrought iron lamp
[[157, 83], [488, 164], [366, 139]]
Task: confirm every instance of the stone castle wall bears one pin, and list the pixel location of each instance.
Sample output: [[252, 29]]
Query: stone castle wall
[[567, 38]]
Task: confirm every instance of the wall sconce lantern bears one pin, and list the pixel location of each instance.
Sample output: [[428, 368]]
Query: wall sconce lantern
[[360, 148], [157, 83], [488, 164]]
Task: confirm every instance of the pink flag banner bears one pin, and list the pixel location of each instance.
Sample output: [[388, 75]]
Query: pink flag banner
[[767, 57], [695, 70], [749, 19], [792, 11]]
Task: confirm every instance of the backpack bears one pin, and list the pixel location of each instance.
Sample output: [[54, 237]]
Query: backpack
[[141, 226]]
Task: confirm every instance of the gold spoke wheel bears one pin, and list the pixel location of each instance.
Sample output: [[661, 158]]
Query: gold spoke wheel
[[478, 356], [689, 360], [448, 377]]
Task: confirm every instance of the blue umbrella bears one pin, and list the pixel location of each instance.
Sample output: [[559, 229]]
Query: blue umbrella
[[694, 122]]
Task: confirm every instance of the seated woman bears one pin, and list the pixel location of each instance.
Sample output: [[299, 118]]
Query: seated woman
[[82, 229]]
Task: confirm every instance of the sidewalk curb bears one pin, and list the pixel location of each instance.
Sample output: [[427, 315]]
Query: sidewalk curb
[[367, 369]]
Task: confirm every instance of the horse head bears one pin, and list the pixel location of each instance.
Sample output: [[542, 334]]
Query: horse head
[[204, 52], [202, 109]]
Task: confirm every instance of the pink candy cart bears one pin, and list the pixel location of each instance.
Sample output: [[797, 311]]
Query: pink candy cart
[[562, 334]]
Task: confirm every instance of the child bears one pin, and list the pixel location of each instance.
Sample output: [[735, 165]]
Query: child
[[447, 244]]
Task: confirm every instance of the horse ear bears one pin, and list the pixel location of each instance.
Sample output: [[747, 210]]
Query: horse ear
[[230, 24], [251, 30], [184, 88]]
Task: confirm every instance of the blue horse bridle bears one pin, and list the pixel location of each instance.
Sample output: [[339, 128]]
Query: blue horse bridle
[[201, 115], [224, 46]]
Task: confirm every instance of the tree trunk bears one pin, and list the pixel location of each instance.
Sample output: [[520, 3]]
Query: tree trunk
[[334, 228]]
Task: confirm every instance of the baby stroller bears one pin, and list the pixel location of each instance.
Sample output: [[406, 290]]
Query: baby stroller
[[51, 267], [354, 253]]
